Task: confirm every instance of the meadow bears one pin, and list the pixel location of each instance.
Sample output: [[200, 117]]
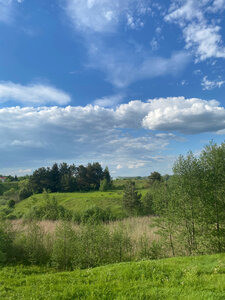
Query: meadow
[[104, 244], [184, 278]]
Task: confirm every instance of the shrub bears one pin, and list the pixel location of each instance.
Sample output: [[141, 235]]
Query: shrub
[[96, 215], [33, 245], [11, 203], [6, 242], [66, 248]]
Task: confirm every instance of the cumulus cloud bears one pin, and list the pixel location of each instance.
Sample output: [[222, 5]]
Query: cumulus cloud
[[211, 84], [201, 35], [188, 116], [33, 94], [39, 136]]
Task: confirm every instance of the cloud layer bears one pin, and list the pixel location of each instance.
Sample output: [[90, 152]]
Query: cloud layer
[[33, 94], [47, 134]]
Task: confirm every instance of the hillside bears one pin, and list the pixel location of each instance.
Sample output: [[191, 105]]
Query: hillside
[[177, 278], [81, 201]]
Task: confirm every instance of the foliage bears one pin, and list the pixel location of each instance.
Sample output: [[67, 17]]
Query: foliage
[[178, 278], [78, 203], [65, 178], [147, 204], [33, 245], [49, 210], [191, 204], [96, 214], [131, 198], [6, 241], [154, 177]]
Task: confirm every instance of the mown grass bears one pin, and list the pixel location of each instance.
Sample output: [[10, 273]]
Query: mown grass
[[177, 278]]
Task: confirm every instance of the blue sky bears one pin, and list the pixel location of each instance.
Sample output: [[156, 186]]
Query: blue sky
[[131, 84]]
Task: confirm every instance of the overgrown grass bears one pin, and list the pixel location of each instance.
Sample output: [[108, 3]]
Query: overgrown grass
[[177, 278]]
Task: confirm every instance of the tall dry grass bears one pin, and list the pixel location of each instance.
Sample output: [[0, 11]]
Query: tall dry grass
[[139, 229]]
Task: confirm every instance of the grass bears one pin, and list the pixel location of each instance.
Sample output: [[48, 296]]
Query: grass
[[79, 202], [176, 278]]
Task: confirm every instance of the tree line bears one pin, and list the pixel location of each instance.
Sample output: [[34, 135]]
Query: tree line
[[68, 178]]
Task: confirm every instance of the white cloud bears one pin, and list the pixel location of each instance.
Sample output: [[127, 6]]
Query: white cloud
[[33, 137], [104, 134], [205, 39], [202, 37], [124, 67], [118, 167], [188, 116], [6, 11], [104, 16], [33, 94], [217, 6], [122, 62], [209, 85], [137, 165], [109, 100]]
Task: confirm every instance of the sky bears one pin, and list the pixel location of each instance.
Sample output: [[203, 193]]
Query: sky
[[131, 84]]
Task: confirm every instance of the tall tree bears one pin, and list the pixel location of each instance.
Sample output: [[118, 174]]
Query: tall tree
[[154, 177], [131, 198]]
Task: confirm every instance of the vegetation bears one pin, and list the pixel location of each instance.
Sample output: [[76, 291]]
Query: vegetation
[[191, 205], [177, 278], [65, 178], [189, 219]]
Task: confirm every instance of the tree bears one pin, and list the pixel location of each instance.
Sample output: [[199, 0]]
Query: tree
[[54, 177], [131, 198], [154, 177], [213, 189], [147, 204]]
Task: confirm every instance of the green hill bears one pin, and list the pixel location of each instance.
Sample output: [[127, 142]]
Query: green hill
[[177, 278], [79, 202]]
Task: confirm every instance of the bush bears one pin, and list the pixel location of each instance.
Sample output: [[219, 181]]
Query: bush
[[11, 203], [66, 248], [6, 242], [33, 245], [96, 215], [49, 210], [121, 245]]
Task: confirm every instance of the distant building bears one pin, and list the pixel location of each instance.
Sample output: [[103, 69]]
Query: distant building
[[2, 178]]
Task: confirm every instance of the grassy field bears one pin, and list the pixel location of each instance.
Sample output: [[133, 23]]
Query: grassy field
[[79, 202], [176, 278]]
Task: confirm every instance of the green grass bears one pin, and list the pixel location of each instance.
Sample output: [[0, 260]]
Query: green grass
[[79, 202], [177, 278]]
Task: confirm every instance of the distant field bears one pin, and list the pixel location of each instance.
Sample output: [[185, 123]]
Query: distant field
[[79, 202], [176, 278]]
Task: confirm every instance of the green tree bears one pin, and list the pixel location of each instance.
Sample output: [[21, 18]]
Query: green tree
[[213, 162], [154, 177], [131, 198]]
